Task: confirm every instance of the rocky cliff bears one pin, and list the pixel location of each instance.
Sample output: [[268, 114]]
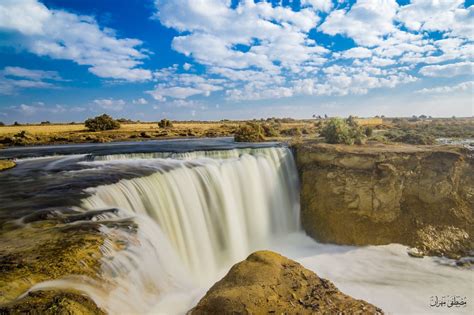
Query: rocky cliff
[[421, 196], [268, 283]]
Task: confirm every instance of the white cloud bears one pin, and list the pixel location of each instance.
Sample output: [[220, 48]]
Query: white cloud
[[110, 104], [438, 15], [35, 75], [27, 109], [461, 87], [140, 101], [182, 85], [366, 22], [13, 79], [187, 66], [62, 35], [318, 5], [448, 70], [270, 33], [357, 52]]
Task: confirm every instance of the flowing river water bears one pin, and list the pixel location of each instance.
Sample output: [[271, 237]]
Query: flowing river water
[[198, 207]]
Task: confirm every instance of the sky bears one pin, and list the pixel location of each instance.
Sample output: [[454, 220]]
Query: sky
[[67, 60]]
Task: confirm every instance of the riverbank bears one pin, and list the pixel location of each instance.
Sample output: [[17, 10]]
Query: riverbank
[[28, 135]]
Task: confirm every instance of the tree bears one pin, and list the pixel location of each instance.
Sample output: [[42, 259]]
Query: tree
[[165, 123], [102, 122], [2, 123]]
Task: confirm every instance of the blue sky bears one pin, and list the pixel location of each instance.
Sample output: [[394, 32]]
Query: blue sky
[[64, 60]]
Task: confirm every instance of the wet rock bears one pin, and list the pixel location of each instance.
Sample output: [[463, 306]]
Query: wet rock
[[415, 252], [44, 251], [145, 134], [52, 302], [267, 282], [420, 196], [443, 241], [6, 164]]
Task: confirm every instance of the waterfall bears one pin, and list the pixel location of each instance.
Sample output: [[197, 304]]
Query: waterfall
[[214, 207]]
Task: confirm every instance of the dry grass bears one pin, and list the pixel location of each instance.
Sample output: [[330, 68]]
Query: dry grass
[[58, 129], [78, 133]]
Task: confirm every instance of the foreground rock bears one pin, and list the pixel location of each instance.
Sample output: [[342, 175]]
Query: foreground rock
[[267, 282], [421, 196], [52, 302], [6, 164], [54, 244]]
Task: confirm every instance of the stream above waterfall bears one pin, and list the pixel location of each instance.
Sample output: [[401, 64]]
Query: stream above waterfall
[[195, 208]]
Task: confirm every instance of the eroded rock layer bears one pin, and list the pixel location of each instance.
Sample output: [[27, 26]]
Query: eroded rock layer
[[421, 196]]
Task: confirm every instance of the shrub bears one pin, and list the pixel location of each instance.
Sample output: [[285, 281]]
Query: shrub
[[410, 137], [337, 131], [47, 122], [102, 122], [270, 130], [2, 123], [291, 132], [250, 132], [16, 123], [369, 131], [165, 123]]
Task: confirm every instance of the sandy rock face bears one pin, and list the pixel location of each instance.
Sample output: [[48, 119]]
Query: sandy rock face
[[421, 196], [268, 283]]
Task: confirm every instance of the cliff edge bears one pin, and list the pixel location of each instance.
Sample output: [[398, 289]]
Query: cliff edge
[[420, 196]]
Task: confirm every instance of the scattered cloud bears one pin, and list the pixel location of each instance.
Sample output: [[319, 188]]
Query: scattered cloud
[[110, 104], [448, 70], [461, 87], [264, 51], [140, 101], [13, 79], [59, 34], [182, 85], [367, 22]]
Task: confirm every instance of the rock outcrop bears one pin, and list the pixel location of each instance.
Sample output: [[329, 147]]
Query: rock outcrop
[[6, 164], [421, 196], [53, 302], [268, 283]]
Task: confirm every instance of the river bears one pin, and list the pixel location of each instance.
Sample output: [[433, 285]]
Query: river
[[198, 207]]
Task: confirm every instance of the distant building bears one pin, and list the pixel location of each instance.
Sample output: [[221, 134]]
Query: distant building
[[369, 121]]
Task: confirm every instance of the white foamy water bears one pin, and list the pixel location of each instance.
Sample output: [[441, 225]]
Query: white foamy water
[[207, 211]]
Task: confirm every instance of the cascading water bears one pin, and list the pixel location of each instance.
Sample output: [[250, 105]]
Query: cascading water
[[213, 211], [190, 216]]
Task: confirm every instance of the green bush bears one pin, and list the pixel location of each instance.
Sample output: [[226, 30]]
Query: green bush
[[249, 132], [337, 130], [102, 122], [165, 123], [270, 130]]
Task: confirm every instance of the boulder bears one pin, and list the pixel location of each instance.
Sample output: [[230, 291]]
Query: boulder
[[268, 283], [420, 196]]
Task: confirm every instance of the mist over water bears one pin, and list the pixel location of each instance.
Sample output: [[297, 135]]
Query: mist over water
[[198, 213]]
